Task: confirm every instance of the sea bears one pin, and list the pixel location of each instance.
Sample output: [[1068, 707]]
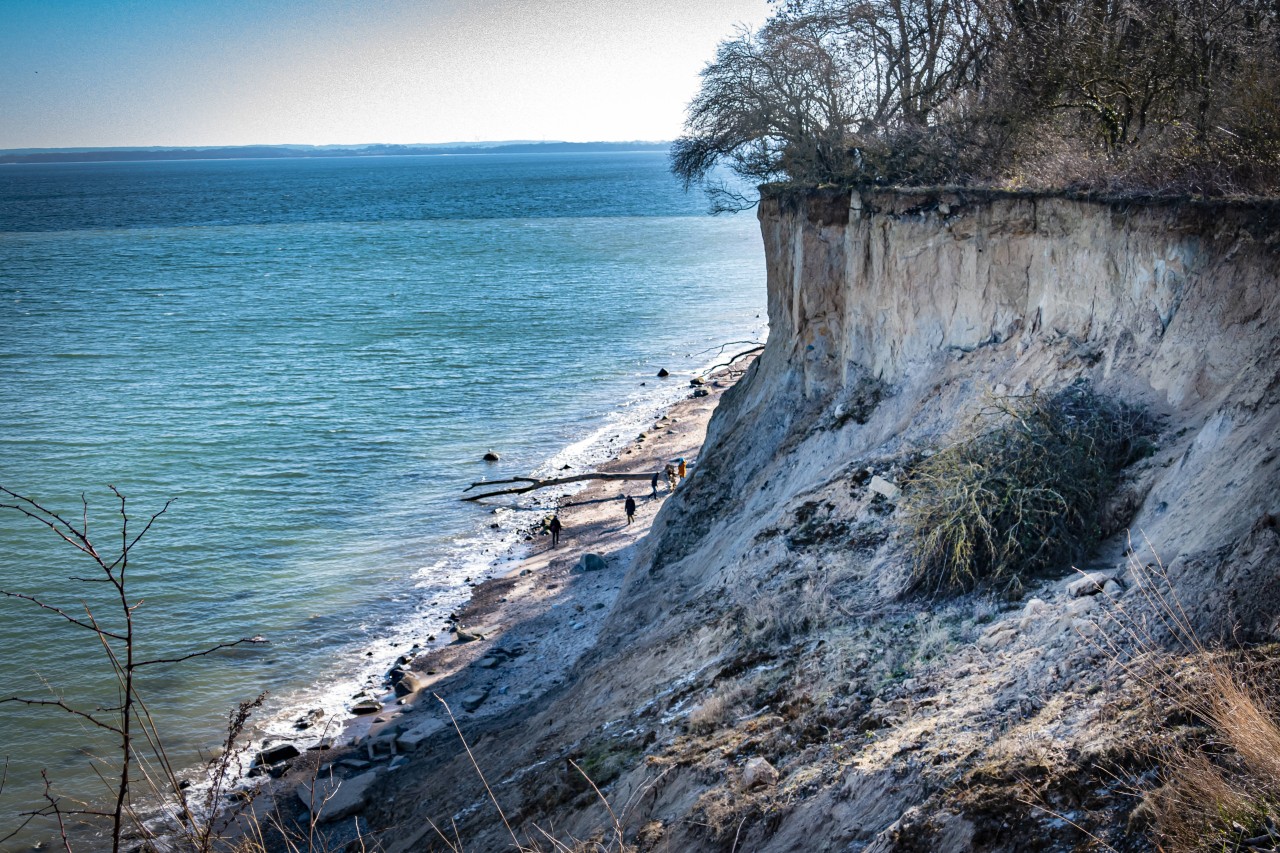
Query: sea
[[306, 361]]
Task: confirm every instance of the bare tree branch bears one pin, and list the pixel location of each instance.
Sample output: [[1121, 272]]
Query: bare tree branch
[[63, 706], [69, 618], [255, 641]]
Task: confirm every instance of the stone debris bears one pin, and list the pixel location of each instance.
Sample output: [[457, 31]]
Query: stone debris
[[334, 799], [1090, 583], [997, 637], [758, 773], [1034, 611], [881, 486], [415, 736], [381, 746], [472, 701], [1081, 606]]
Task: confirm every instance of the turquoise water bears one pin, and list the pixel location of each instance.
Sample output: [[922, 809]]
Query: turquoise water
[[310, 358]]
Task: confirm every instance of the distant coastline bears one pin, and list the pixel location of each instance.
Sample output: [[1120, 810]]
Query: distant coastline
[[257, 152]]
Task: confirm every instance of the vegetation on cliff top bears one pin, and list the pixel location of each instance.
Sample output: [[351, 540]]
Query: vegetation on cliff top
[[1119, 96]]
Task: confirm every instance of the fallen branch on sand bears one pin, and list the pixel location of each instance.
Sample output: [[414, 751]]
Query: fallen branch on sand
[[531, 483], [743, 354]]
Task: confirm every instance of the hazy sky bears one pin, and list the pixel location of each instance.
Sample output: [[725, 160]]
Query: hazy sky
[[233, 72]]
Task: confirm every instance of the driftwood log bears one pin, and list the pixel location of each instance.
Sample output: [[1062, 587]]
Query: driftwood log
[[528, 484]]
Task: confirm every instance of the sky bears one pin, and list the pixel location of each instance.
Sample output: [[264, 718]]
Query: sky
[[105, 73]]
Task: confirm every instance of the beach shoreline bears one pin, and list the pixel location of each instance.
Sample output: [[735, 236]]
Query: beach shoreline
[[533, 620]]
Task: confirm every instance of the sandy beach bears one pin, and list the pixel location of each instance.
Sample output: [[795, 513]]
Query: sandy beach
[[534, 623]]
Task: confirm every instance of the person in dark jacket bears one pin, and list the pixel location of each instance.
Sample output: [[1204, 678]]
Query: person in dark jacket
[[631, 509], [554, 527], [654, 483]]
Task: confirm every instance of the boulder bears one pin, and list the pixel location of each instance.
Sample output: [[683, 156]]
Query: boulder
[[461, 635], [697, 381], [408, 683], [663, 372], [366, 706], [491, 457], [279, 752], [590, 562], [758, 773], [309, 719], [701, 392], [334, 799]]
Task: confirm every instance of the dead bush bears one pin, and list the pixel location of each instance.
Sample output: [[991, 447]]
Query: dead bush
[[1019, 491]]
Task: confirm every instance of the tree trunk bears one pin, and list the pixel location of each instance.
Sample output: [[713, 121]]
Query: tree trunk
[[532, 483]]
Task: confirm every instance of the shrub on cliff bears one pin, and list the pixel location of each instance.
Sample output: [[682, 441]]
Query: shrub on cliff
[[1020, 491]]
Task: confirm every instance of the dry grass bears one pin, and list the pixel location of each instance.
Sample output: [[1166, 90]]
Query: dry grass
[[1218, 787], [1019, 491], [1224, 794]]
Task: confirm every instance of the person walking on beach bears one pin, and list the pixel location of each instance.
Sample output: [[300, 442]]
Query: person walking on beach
[[671, 477], [654, 483], [631, 509], [554, 527], [681, 472]]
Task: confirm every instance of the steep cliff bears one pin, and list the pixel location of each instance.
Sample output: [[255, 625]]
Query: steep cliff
[[765, 617]]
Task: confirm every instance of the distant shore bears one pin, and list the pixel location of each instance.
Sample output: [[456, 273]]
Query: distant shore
[[294, 152]]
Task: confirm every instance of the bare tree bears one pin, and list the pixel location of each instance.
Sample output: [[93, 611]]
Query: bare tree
[[806, 97], [140, 752]]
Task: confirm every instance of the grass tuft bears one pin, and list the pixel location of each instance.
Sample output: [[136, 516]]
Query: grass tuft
[[1020, 491], [1223, 794]]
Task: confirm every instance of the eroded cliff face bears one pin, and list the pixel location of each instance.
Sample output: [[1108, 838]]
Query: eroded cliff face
[[1172, 306], [765, 617]]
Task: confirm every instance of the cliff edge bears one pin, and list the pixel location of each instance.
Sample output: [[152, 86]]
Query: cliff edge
[[766, 681]]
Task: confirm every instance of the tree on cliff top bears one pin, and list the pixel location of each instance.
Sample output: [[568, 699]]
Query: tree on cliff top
[[791, 101], [1112, 95]]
